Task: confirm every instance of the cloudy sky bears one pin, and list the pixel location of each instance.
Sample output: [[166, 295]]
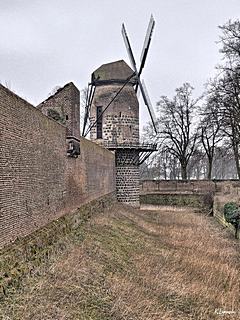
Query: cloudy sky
[[45, 43]]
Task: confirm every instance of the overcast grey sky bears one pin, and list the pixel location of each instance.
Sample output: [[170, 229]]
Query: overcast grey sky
[[45, 43]]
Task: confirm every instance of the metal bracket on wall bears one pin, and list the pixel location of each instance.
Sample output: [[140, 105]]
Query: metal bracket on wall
[[73, 147]]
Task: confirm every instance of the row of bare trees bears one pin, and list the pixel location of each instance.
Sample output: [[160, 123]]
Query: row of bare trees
[[200, 137], [165, 166]]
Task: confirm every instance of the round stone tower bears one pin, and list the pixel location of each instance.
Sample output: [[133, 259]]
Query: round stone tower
[[119, 123], [114, 123]]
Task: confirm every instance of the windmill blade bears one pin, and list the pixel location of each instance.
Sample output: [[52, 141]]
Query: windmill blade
[[128, 47], [85, 114], [148, 103], [138, 94], [146, 44], [87, 108]]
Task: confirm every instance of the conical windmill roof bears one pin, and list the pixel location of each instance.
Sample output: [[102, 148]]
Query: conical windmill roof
[[117, 71]]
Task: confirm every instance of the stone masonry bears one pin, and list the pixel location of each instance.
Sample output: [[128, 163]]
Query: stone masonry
[[119, 126], [127, 177], [121, 119]]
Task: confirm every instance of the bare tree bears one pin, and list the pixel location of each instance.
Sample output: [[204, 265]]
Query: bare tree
[[197, 165], [209, 129], [224, 96], [54, 90], [218, 146], [224, 163], [226, 91], [177, 127], [230, 39]]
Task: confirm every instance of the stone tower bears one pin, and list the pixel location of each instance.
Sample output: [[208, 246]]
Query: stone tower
[[114, 120], [120, 122]]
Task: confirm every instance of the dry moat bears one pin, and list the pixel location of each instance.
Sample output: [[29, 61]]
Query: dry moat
[[123, 263]]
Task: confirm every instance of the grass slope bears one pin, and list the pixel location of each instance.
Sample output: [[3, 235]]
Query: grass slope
[[131, 264]]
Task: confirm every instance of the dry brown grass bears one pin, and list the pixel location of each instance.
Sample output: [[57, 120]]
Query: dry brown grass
[[138, 265]]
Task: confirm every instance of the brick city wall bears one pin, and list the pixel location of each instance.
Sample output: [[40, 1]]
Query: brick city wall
[[177, 186], [38, 182]]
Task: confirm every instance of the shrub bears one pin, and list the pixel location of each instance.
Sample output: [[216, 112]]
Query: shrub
[[232, 215], [55, 115]]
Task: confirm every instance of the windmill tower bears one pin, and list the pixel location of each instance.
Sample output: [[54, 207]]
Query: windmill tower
[[113, 112], [120, 121]]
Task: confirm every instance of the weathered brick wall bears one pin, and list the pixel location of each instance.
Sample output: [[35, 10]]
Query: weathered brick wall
[[190, 186], [66, 102], [38, 182], [177, 186], [41, 247], [91, 175]]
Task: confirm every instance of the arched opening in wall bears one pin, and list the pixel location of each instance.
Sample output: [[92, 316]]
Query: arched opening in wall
[[66, 117], [99, 122]]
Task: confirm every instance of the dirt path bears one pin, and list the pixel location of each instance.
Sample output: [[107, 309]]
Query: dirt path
[[138, 265]]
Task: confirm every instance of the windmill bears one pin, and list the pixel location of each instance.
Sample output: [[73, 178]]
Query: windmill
[[138, 72], [112, 110], [138, 83]]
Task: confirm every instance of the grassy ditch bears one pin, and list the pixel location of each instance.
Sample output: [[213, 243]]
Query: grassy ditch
[[138, 265]]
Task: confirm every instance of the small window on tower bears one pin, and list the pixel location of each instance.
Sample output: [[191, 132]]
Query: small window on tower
[[66, 117], [99, 122]]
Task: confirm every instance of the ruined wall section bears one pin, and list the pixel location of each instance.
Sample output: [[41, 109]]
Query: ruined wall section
[[38, 181], [66, 102]]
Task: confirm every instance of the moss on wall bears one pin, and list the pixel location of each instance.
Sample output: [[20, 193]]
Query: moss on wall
[[179, 200], [24, 258]]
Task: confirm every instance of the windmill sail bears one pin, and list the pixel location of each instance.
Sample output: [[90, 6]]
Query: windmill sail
[[148, 103], [145, 49], [146, 44], [89, 99], [86, 112], [128, 47]]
